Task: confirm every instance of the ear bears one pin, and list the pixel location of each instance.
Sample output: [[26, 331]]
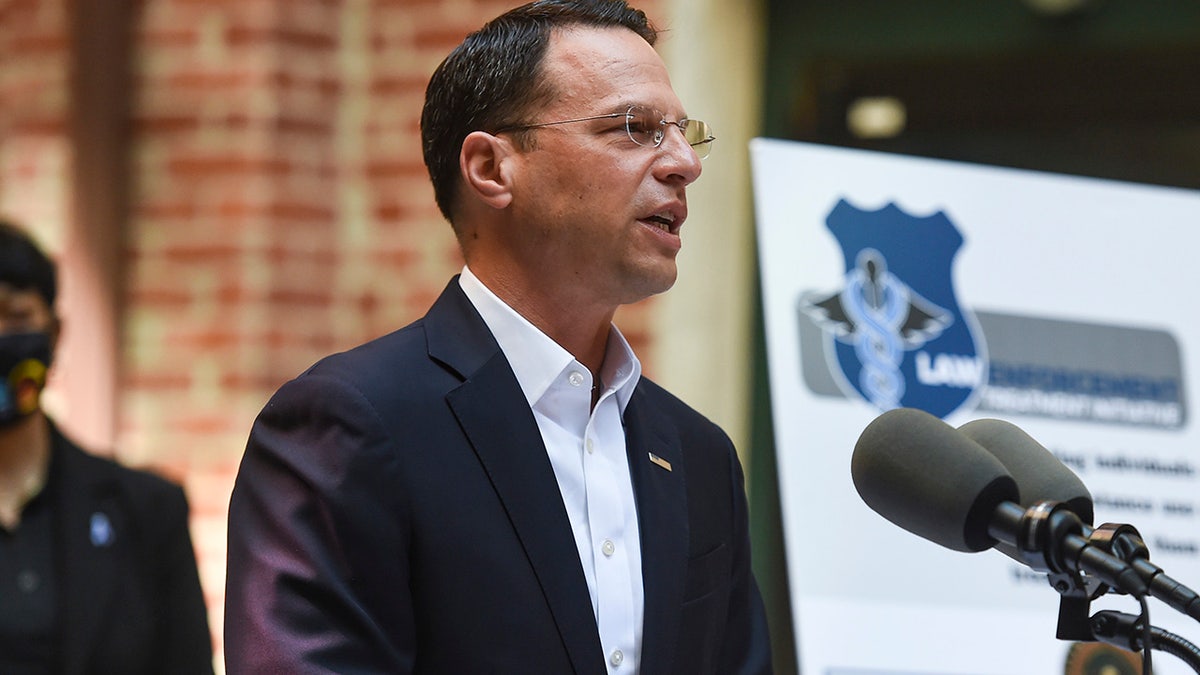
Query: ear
[[485, 168]]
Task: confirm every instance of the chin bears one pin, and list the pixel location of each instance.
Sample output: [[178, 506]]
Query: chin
[[659, 282]]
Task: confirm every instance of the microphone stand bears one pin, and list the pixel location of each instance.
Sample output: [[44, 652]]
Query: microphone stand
[[1119, 629], [1048, 538], [1125, 631]]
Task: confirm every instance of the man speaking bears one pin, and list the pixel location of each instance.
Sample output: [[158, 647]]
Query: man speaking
[[495, 488]]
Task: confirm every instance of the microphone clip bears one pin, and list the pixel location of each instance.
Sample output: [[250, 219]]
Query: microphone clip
[[1076, 593], [1049, 537], [1044, 527]]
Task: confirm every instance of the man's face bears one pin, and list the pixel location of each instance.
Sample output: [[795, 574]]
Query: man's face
[[599, 214], [24, 311]]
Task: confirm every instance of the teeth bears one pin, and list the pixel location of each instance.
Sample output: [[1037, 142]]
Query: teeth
[[663, 220]]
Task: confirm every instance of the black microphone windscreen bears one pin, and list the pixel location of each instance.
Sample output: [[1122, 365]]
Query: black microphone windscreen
[[923, 475], [1039, 474]]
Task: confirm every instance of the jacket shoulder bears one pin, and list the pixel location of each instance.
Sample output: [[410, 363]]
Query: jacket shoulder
[[147, 489]]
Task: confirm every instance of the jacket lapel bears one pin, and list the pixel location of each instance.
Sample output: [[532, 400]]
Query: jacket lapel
[[496, 419], [89, 535], [662, 519]]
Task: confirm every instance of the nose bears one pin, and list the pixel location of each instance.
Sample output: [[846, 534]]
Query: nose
[[680, 163]]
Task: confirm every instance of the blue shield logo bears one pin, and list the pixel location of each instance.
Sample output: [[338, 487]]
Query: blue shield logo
[[895, 334]]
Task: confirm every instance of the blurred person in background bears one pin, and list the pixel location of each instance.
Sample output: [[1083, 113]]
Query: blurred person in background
[[97, 570]]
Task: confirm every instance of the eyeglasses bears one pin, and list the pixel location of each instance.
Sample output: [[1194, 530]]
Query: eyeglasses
[[645, 126]]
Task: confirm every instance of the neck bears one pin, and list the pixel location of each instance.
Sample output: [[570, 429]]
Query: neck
[[579, 325], [24, 463]]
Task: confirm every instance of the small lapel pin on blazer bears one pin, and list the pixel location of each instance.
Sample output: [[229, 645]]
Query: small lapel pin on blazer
[[659, 461], [101, 529]]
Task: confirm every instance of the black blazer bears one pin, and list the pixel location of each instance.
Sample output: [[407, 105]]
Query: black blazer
[[396, 512], [129, 600]]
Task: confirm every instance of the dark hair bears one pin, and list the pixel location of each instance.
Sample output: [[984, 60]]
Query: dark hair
[[492, 78], [24, 266]]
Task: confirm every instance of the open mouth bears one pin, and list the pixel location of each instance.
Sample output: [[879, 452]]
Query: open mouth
[[665, 221]]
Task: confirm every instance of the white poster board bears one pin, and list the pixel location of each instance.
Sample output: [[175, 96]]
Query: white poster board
[[1060, 304]]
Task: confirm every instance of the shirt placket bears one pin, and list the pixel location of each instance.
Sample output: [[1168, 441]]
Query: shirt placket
[[604, 468]]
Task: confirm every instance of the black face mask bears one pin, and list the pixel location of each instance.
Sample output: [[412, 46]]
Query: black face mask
[[24, 359]]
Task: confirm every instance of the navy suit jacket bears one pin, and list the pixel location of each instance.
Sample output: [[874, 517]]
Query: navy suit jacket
[[396, 512]]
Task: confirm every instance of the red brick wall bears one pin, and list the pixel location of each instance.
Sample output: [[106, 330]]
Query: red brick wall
[[33, 114]]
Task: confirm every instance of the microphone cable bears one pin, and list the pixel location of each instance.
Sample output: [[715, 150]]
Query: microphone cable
[[1135, 633], [1147, 636]]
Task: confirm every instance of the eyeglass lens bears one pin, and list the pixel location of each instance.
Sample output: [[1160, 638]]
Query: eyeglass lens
[[647, 126]]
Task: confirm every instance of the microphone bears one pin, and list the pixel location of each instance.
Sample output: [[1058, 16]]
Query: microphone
[[1041, 476], [923, 475], [918, 472]]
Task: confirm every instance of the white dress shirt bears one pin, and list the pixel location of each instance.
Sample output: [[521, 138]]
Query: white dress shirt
[[586, 447]]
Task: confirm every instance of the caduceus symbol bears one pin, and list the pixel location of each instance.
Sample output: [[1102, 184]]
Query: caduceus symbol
[[882, 317]]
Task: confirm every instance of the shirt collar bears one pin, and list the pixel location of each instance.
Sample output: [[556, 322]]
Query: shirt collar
[[536, 360]]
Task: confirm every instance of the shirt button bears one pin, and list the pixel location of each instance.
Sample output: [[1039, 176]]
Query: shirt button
[[575, 378], [591, 447], [608, 548], [617, 657], [28, 581]]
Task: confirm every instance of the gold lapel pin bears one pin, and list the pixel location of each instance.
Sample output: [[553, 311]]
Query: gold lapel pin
[[659, 461]]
